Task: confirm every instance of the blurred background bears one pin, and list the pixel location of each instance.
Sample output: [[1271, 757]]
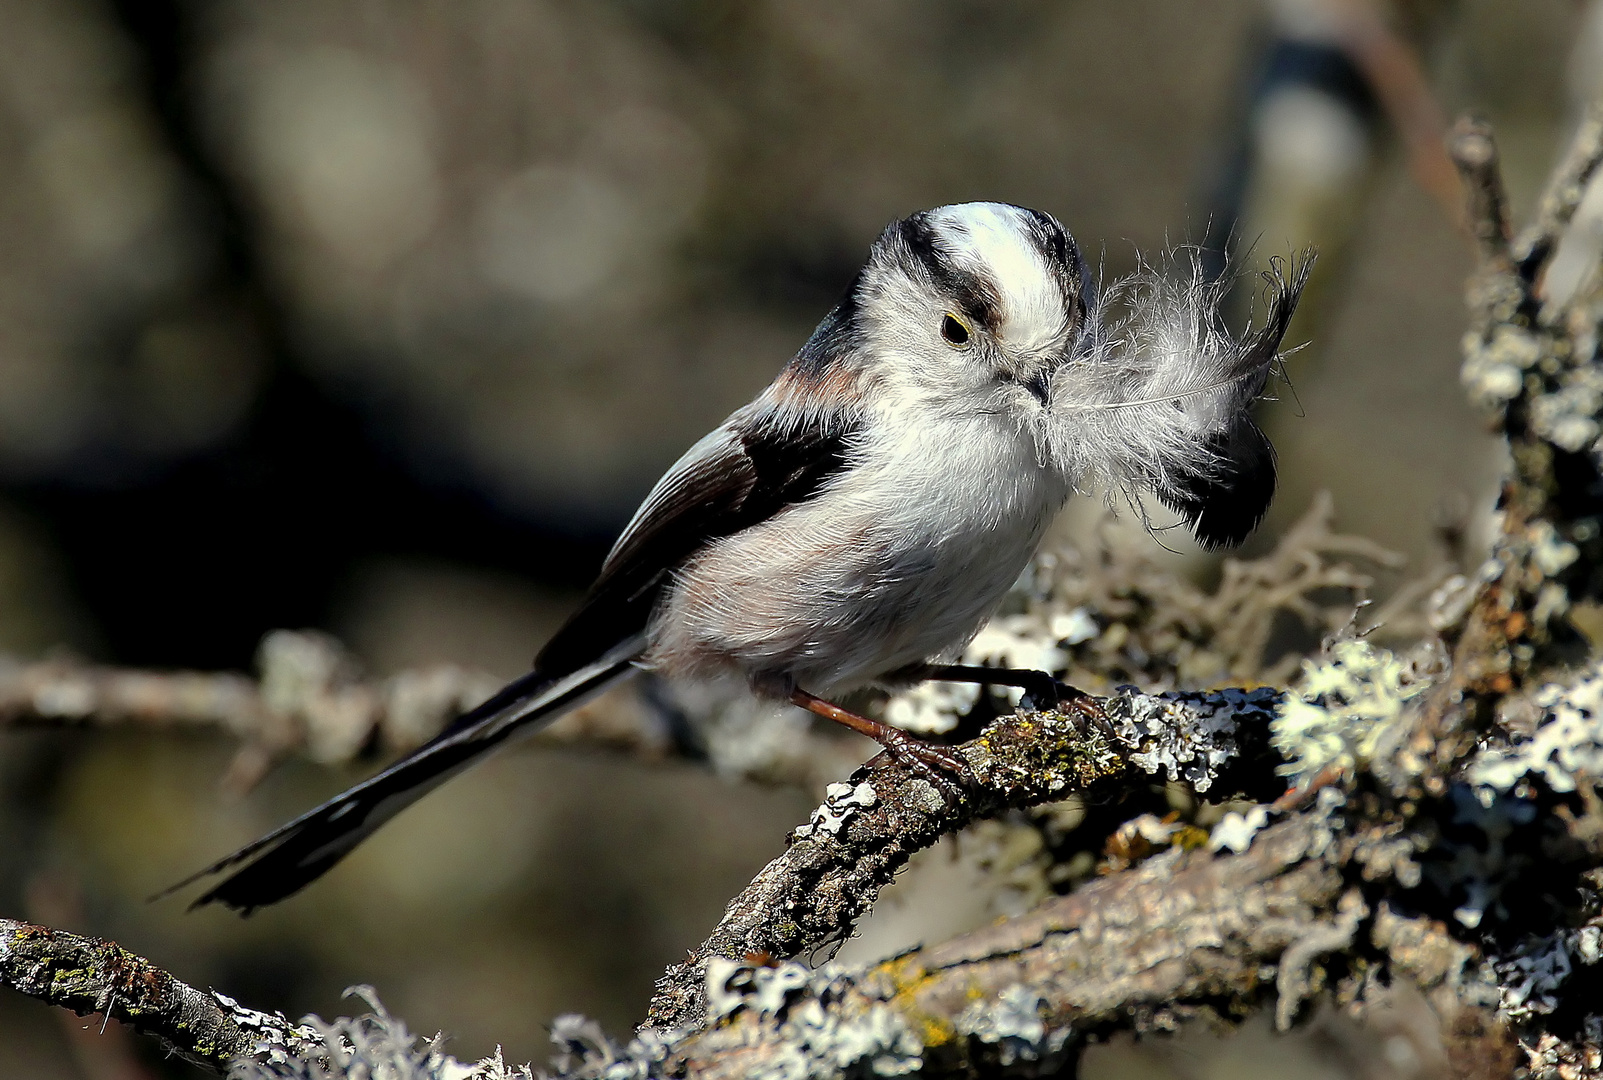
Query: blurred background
[[379, 316]]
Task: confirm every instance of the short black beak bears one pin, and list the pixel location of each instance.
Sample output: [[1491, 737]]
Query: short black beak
[[1036, 384]]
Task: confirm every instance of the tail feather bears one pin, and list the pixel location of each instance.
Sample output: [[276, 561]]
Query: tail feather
[[291, 857]]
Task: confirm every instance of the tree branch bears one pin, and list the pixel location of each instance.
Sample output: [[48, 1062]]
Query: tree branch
[[1475, 153], [92, 975], [812, 895], [1534, 373], [1188, 934], [310, 700]]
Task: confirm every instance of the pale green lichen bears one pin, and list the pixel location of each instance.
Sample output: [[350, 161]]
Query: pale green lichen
[[1345, 710]]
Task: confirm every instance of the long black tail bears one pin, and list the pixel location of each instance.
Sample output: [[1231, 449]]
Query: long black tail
[[291, 857]]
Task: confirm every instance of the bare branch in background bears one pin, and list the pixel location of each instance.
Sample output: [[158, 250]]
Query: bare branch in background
[[1475, 154], [312, 700]]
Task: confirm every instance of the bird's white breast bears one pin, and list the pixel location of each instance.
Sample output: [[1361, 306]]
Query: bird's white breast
[[898, 560]]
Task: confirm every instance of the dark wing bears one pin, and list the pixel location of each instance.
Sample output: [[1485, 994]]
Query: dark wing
[[780, 449], [1224, 505], [762, 459]]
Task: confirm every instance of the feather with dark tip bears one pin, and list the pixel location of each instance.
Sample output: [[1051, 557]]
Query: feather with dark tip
[[1223, 506], [1160, 398]]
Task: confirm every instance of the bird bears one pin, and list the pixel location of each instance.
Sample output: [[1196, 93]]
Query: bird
[[859, 520]]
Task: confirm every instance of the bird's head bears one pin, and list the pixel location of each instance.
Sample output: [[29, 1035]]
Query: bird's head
[[983, 298]]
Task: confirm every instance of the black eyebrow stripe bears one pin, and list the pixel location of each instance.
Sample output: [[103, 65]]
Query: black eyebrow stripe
[[1050, 238], [1063, 256], [973, 295]]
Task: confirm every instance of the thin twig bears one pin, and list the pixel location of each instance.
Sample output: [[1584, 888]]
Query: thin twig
[[1563, 196], [1474, 151]]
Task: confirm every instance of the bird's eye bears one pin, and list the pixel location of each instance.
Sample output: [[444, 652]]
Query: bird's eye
[[954, 330]]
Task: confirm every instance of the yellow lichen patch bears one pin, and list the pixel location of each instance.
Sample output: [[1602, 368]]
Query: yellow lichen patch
[[1189, 838], [907, 978]]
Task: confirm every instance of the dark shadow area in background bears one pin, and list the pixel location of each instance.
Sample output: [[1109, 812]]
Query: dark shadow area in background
[[190, 562]]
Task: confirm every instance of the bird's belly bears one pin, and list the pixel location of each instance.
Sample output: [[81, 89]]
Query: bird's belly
[[852, 585]]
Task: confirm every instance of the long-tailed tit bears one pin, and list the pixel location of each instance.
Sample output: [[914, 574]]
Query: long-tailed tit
[[859, 521]]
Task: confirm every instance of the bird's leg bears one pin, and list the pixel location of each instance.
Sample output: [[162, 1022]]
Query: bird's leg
[[1044, 690], [910, 749]]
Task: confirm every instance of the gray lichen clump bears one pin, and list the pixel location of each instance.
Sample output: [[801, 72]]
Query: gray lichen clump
[[375, 1046], [1558, 385], [1566, 749], [1187, 735], [814, 1023], [816, 1036]]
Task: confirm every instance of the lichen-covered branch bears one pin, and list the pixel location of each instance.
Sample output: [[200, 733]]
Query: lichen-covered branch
[[869, 826], [92, 975], [1183, 932], [1534, 367], [1188, 934]]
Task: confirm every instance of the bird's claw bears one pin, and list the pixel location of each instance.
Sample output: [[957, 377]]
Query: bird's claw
[[935, 763]]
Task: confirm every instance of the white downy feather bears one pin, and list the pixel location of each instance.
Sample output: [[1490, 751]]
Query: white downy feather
[[1159, 386]]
